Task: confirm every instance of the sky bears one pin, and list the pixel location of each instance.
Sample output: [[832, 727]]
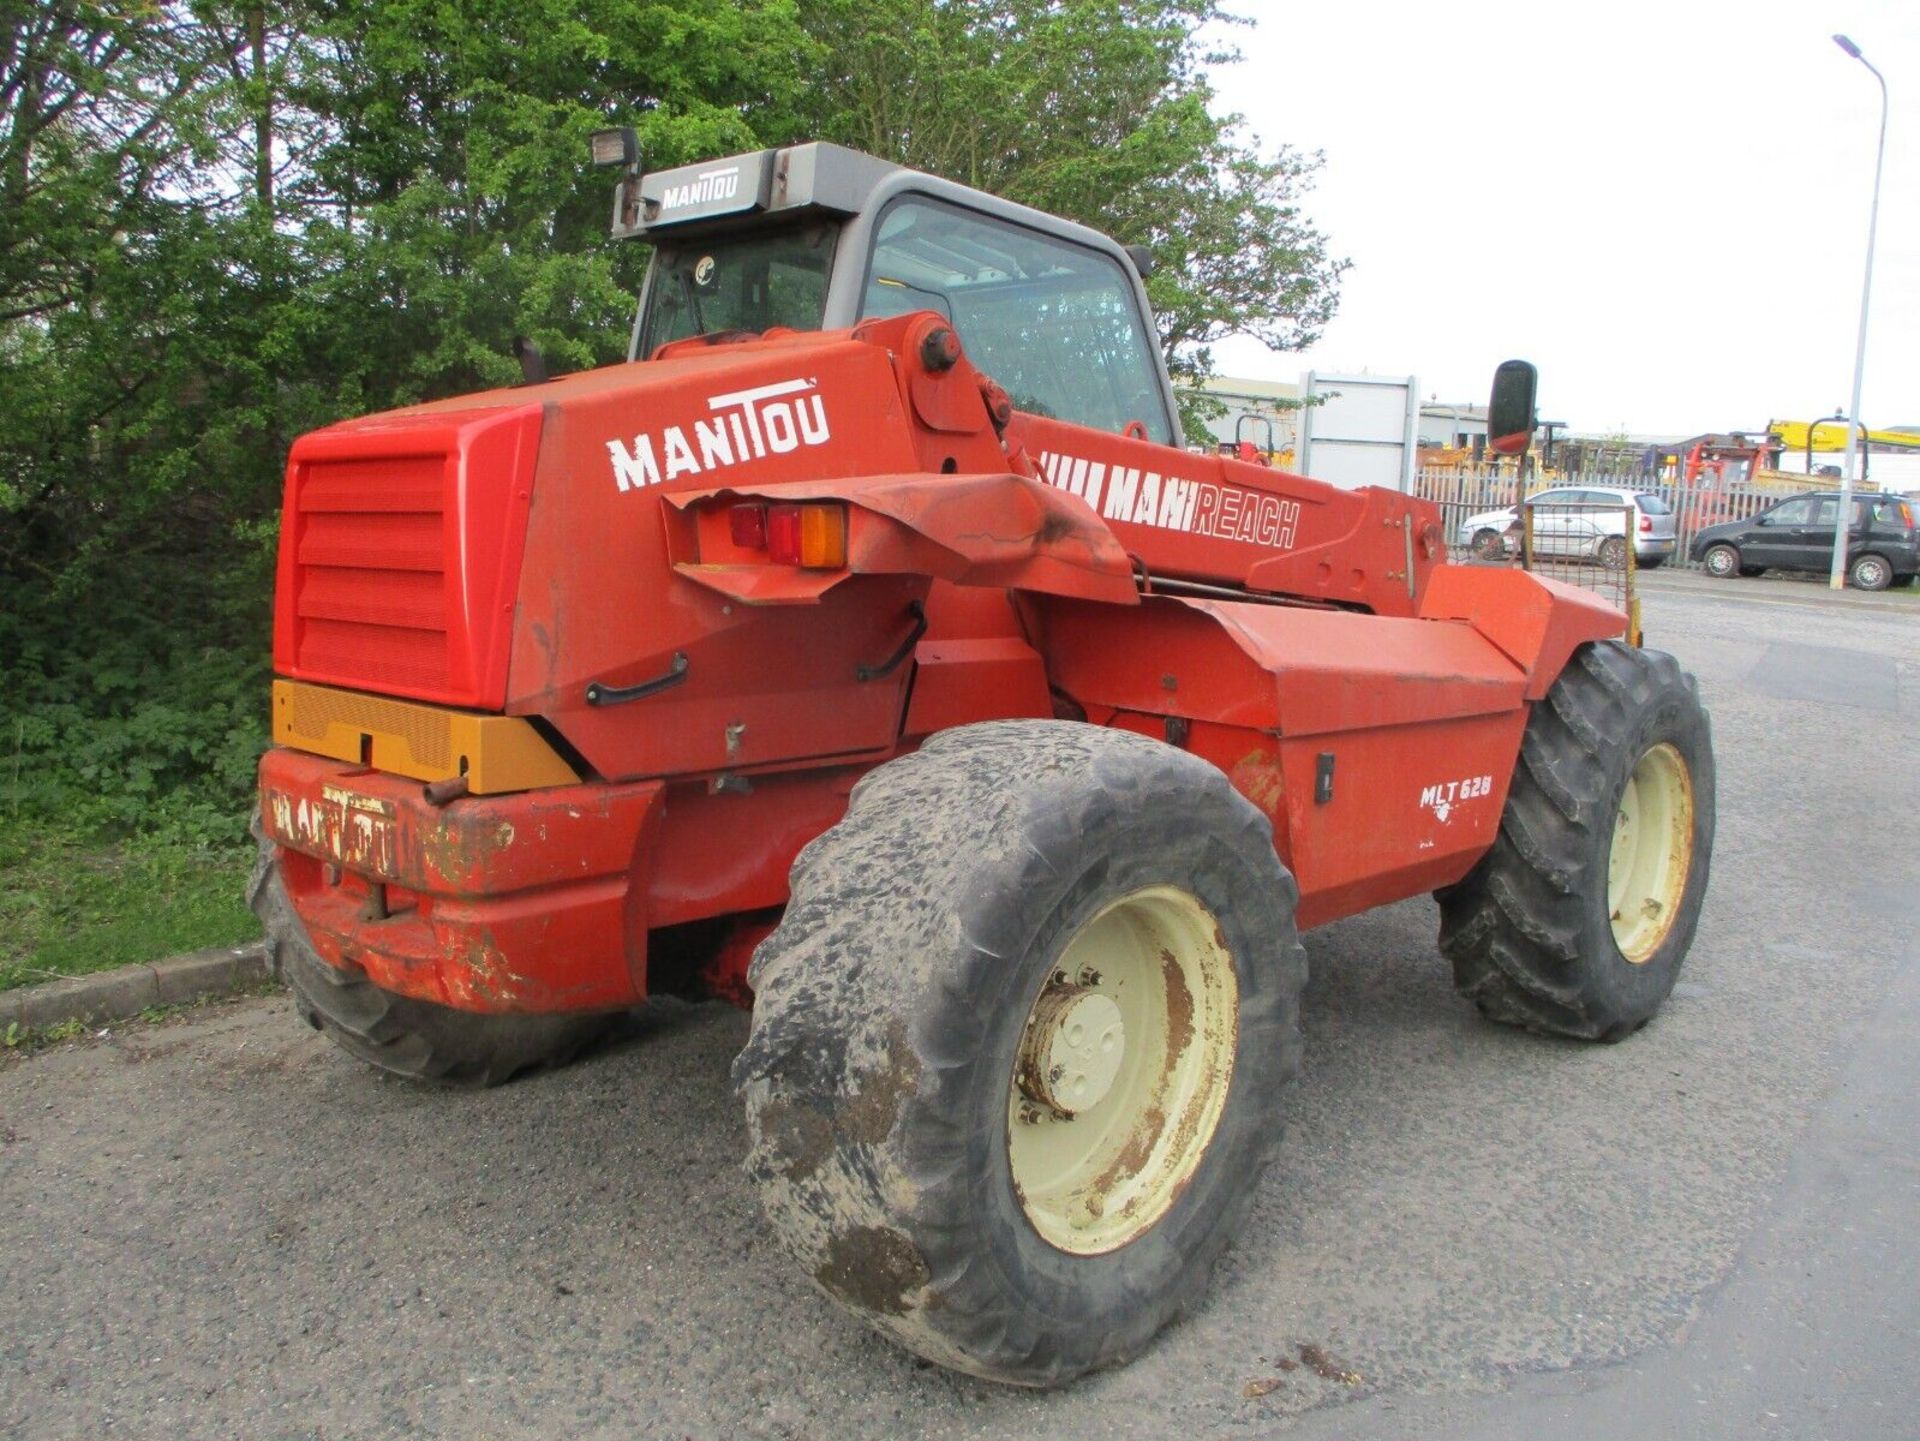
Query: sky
[[1663, 206]]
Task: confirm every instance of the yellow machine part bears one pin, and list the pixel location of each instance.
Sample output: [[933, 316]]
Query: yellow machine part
[[1831, 435], [495, 753]]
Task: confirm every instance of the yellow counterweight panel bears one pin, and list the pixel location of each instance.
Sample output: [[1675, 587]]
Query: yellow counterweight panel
[[496, 753]]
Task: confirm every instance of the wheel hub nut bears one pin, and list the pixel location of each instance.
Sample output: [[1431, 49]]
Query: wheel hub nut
[[1072, 1050]]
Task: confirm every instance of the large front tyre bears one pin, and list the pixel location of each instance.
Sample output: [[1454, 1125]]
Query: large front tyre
[[414, 1039], [1019, 1043], [1578, 918]]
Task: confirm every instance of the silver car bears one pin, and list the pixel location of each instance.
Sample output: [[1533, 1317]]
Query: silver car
[[1589, 521]]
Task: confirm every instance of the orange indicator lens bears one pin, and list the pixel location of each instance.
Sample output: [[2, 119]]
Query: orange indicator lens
[[811, 536]]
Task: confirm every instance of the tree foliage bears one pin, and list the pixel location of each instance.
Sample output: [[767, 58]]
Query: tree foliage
[[1101, 111], [222, 224]]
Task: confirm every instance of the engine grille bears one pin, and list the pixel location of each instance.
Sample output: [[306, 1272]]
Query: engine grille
[[400, 550], [372, 585]]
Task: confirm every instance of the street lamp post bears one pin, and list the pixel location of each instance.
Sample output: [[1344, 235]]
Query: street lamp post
[[1843, 522]]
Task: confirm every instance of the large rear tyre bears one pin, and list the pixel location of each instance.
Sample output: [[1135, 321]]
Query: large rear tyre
[[1578, 918], [1019, 1041], [398, 1034]]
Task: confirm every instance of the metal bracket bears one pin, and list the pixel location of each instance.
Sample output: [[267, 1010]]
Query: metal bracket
[[893, 662], [598, 694]]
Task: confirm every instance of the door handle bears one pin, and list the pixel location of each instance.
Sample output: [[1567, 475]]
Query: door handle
[[918, 612]]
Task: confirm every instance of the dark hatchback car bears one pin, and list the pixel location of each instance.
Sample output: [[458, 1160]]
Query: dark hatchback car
[[1797, 534]]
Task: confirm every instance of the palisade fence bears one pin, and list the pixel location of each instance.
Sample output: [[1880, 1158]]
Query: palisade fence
[[1462, 495]]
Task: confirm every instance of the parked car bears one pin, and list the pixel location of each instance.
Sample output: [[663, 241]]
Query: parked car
[[1883, 548], [1578, 520]]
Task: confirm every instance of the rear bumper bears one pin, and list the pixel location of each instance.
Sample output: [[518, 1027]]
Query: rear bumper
[[445, 903]]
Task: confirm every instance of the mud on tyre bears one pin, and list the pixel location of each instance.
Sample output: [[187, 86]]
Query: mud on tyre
[[942, 1131], [1578, 918], [398, 1034]]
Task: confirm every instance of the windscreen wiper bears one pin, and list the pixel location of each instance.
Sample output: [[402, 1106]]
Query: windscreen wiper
[[693, 301]]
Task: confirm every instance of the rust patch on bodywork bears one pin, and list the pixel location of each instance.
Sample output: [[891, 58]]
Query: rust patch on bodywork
[[1258, 776], [460, 850], [482, 972], [874, 1268]]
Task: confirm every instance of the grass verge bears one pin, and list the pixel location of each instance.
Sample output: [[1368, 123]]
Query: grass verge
[[70, 905]]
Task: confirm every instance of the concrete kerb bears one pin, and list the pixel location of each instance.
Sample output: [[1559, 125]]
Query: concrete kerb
[[1779, 587], [127, 991]]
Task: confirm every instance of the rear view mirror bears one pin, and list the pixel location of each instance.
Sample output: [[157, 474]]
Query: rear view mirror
[[1510, 408]]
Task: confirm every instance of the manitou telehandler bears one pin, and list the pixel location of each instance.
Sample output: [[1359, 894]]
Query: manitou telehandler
[[868, 649]]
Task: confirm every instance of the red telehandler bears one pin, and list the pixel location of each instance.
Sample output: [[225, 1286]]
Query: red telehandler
[[867, 649]]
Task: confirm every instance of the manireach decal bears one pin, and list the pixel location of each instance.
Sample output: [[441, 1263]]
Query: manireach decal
[[1198, 507]]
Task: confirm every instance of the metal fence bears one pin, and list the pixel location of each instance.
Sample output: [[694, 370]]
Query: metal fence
[[1583, 543], [1485, 497]]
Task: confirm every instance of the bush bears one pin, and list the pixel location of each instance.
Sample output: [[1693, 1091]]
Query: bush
[[138, 706]]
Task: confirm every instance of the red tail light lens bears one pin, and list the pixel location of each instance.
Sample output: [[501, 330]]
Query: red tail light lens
[[783, 533], [1646, 524]]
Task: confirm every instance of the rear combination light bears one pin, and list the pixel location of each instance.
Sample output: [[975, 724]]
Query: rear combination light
[[1646, 524], [811, 535]]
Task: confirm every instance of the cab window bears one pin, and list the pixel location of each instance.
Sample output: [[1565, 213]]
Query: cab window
[[1053, 322], [753, 281]]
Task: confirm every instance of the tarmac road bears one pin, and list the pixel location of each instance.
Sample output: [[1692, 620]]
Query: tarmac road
[[221, 1227]]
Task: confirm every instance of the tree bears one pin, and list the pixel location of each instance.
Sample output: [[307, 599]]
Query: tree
[[1101, 111], [222, 224]]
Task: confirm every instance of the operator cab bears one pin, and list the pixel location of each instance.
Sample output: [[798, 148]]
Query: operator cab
[[816, 237]]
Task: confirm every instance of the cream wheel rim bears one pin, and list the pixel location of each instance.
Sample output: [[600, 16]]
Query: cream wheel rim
[[1123, 1071], [1652, 852]]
